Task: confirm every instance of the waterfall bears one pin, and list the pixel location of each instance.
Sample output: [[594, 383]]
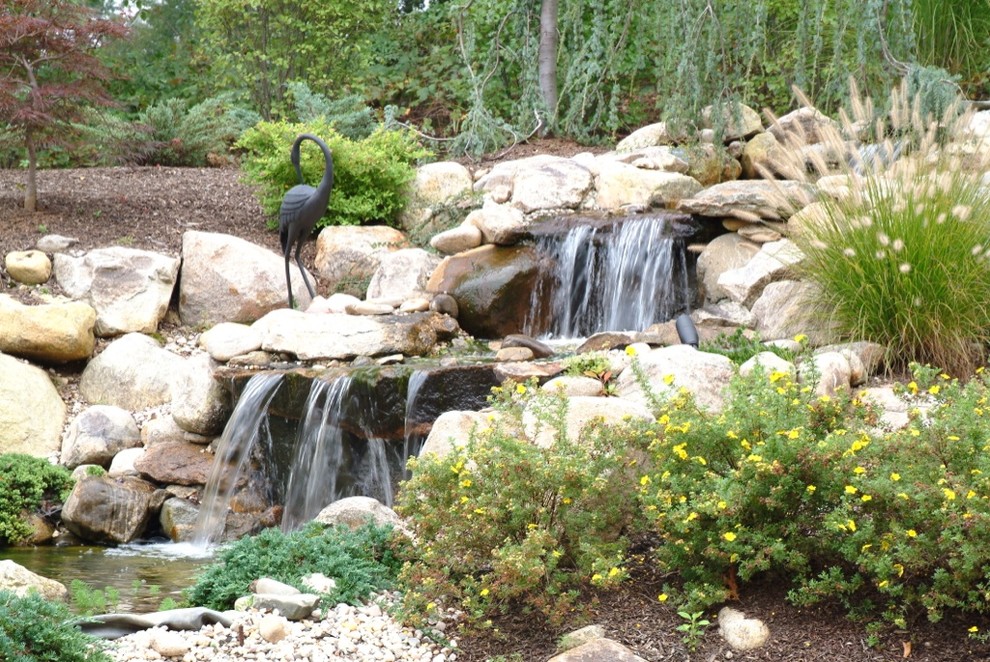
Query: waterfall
[[412, 437], [248, 423], [329, 463], [619, 277]]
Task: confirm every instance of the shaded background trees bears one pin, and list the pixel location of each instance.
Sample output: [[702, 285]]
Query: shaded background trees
[[478, 72]]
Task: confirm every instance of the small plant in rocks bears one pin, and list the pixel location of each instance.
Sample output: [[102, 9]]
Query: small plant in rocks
[[505, 524], [27, 484]]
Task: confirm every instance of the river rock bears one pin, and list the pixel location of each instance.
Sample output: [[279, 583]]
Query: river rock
[[122, 463], [540, 350], [646, 158], [19, 580], [168, 644], [783, 310], [49, 333], [348, 256], [668, 369], [28, 267], [827, 371], [503, 225], [492, 286], [108, 510], [133, 372], [402, 274], [762, 156], [464, 237], [620, 185], [130, 289], [513, 354], [228, 279], [557, 184], [804, 126], [176, 463], [200, 403], [497, 183], [451, 430], [292, 607], [347, 336], [162, 429], [31, 411], [574, 385], [97, 434], [354, 512], [709, 165], [768, 362], [737, 120], [741, 633], [750, 199], [650, 135], [273, 629], [229, 339]]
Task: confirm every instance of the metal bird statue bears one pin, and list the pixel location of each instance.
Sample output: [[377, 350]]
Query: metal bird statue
[[301, 207]]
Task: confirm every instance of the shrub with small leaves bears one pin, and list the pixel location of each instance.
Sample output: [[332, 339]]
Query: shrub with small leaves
[[27, 484], [33, 629], [506, 524], [370, 175]]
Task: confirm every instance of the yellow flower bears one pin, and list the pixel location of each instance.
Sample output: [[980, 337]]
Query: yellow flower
[[596, 578], [483, 592], [851, 490], [852, 525], [668, 379], [912, 387], [566, 500], [971, 494], [662, 597], [466, 482], [934, 389], [911, 533], [903, 495], [974, 629], [520, 388], [882, 584], [865, 498], [900, 569], [729, 535], [613, 572], [949, 494], [859, 470], [811, 489], [644, 481], [895, 476], [722, 505], [464, 499], [630, 350], [799, 338]]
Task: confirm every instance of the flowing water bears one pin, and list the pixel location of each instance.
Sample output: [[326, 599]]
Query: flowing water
[[413, 437], [247, 425], [622, 276]]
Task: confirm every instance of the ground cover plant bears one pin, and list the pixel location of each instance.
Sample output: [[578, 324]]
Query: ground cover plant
[[360, 562], [33, 629], [27, 484]]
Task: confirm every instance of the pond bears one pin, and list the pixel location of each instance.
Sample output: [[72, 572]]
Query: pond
[[143, 574]]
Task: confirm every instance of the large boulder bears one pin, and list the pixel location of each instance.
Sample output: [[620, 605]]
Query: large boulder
[[97, 434], [200, 403], [227, 279], [229, 339], [583, 411], [774, 261], [402, 274], [133, 372], [50, 333], [725, 252], [338, 336], [19, 580], [31, 411], [108, 510], [492, 285], [499, 224], [735, 120], [451, 430], [651, 135], [668, 369], [783, 310], [130, 289], [29, 267], [621, 185], [558, 184], [804, 126], [354, 512], [348, 256], [436, 185]]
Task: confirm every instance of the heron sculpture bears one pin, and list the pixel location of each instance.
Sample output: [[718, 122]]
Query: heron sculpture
[[301, 208]]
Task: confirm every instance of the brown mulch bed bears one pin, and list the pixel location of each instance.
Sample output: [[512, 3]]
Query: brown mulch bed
[[150, 208]]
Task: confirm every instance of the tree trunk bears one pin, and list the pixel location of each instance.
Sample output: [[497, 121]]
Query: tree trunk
[[31, 191], [549, 10]]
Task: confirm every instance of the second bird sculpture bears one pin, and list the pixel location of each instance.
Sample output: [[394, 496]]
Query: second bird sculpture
[[301, 208]]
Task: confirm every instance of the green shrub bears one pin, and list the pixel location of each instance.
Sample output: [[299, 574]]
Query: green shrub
[[741, 347], [33, 629], [360, 561], [506, 524], [348, 115], [27, 484], [177, 135], [805, 488], [370, 175], [904, 259]]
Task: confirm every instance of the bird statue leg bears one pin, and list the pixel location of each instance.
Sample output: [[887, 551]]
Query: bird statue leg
[[288, 282], [302, 271]]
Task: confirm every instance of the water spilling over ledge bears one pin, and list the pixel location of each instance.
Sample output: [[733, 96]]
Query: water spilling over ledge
[[615, 274]]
